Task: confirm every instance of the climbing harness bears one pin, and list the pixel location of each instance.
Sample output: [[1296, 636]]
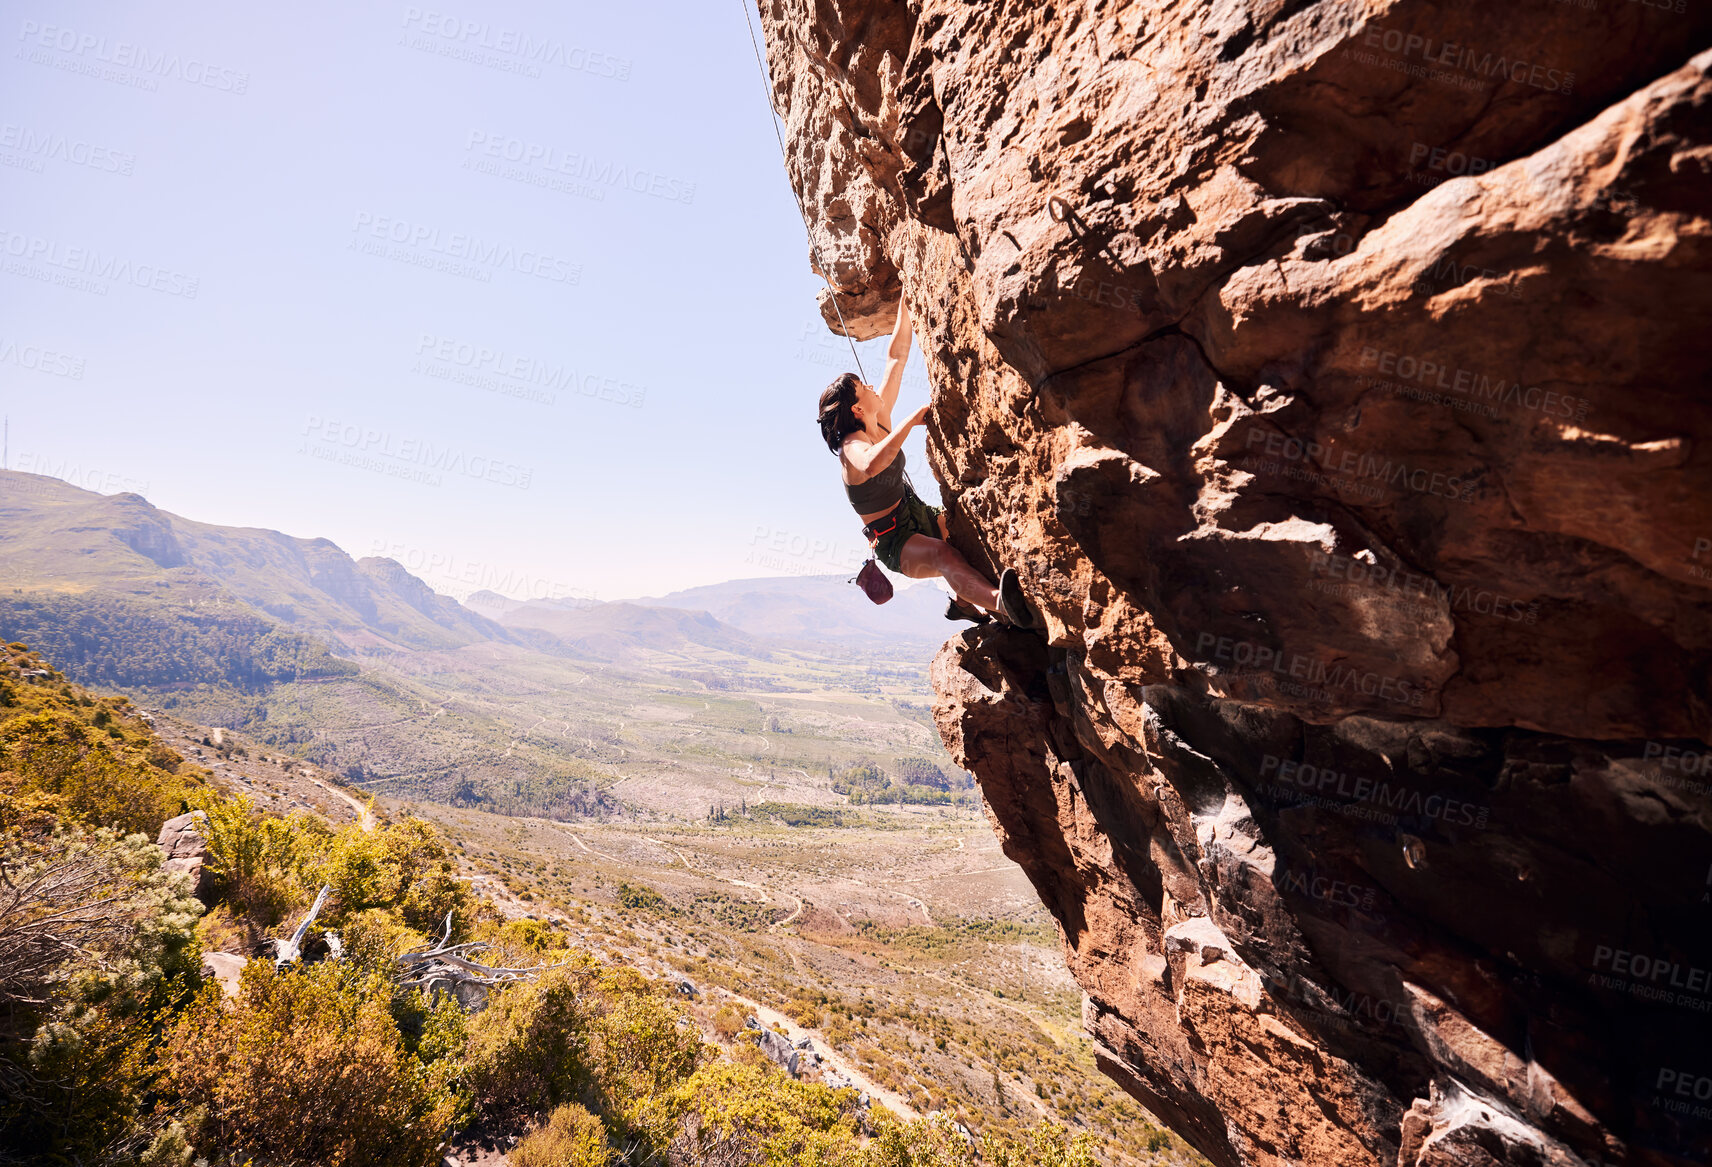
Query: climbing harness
[[814, 245]]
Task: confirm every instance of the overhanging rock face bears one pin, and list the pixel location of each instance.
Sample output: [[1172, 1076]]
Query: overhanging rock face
[[1336, 376]]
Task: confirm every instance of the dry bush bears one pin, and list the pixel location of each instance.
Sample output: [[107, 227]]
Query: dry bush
[[728, 1021], [733, 1114], [1047, 1145], [610, 1039], [307, 1066], [76, 764], [528, 1049], [76, 901], [571, 1137], [267, 867], [929, 1142], [805, 1013], [251, 858], [375, 938]]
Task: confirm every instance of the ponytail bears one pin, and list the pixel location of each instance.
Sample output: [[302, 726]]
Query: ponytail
[[837, 419]]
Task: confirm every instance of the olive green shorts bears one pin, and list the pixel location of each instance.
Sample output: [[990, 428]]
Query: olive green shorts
[[913, 517]]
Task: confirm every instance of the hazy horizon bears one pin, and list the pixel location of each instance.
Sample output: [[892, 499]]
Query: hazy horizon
[[460, 581], [506, 293]]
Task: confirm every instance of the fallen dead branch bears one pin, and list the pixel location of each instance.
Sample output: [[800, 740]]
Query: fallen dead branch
[[448, 967]]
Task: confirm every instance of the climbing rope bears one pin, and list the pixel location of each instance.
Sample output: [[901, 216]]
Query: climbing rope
[[825, 272]]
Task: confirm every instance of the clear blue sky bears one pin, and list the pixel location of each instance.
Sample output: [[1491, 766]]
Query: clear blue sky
[[579, 208]]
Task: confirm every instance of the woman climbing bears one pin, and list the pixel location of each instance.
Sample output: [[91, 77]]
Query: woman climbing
[[907, 535]]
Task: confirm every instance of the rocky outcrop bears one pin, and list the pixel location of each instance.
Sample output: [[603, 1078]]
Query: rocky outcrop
[[778, 1047], [1335, 376], [185, 843]]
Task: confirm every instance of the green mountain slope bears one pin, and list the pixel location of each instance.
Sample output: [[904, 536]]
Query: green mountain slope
[[59, 538]]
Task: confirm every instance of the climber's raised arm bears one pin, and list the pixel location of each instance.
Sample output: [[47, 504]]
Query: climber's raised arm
[[897, 355], [869, 458]]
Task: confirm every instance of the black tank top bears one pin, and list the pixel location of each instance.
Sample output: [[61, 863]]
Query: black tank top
[[880, 491]]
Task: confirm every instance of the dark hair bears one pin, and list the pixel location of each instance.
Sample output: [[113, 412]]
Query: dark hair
[[837, 420]]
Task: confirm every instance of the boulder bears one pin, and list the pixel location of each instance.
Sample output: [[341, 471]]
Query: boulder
[[778, 1047], [186, 847], [225, 967]]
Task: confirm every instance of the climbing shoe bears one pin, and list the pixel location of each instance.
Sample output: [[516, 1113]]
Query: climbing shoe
[[957, 610], [1013, 605]]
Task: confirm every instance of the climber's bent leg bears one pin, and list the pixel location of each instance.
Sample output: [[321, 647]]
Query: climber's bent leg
[[924, 557]]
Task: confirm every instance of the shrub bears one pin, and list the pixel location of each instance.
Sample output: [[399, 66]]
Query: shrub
[[749, 1114], [642, 899], [1047, 1145], [728, 1021], [528, 1049], [805, 1013], [266, 866], [95, 939], [374, 938], [642, 1045], [529, 939], [55, 754], [608, 1038], [251, 857], [921, 772], [306, 1066], [356, 865], [928, 1142], [90, 912], [571, 1137]]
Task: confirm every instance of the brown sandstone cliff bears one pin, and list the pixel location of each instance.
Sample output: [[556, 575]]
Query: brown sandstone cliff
[[1336, 375]]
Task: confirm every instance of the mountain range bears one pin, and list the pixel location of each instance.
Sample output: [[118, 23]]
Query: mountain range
[[65, 541], [526, 707]]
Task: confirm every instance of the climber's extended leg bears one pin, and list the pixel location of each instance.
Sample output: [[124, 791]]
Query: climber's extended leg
[[956, 609], [924, 557]]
